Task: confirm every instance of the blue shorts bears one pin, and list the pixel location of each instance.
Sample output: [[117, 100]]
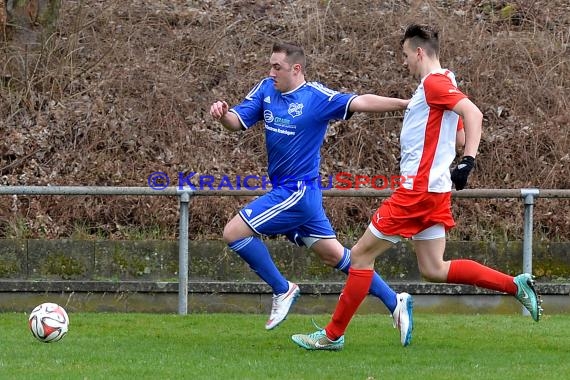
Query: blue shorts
[[294, 209]]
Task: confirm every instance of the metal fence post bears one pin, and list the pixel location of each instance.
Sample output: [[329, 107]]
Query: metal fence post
[[528, 197], [183, 254]]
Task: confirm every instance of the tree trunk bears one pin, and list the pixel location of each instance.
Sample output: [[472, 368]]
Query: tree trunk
[[26, 21]]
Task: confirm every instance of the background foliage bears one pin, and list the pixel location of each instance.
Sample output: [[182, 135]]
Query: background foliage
[[118, 90]]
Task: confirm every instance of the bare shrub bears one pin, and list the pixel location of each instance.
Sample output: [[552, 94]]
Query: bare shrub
[[122, 89]]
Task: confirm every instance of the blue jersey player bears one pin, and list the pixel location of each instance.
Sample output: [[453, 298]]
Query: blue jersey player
[[295, 115]]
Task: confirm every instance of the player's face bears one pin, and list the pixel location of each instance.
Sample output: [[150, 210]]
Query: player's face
[[411, 58], [282, 72]]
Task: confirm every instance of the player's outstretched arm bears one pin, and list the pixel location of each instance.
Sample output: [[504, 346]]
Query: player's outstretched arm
[[220, 112], [376, 103]]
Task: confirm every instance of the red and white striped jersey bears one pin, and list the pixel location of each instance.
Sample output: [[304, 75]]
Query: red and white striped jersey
[[428, 133]]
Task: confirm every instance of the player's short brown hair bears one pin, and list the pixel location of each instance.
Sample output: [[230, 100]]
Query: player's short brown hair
[[294, 53]]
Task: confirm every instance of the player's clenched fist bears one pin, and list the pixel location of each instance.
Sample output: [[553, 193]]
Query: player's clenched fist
[[461, 172], [219, 109]]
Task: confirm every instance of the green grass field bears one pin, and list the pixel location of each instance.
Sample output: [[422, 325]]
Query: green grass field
[[236, 346]]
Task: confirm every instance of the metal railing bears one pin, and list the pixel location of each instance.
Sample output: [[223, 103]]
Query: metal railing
[[184, 195]]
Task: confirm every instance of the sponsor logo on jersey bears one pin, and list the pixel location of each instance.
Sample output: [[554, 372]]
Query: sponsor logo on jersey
[[268, 116]]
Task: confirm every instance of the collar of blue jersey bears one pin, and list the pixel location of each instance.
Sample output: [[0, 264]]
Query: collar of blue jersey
[[295, 89]]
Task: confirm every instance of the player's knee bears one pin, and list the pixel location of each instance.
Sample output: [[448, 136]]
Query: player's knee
[[229, 234], [433, 274], [329, 258], [226, 237], [362, 258], [329, 251], [236, 229]]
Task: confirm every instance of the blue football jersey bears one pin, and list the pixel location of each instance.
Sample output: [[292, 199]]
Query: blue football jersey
[[295, 125]]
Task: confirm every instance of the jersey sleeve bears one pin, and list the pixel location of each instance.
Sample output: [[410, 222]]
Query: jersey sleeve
[[331, 104], [250, 110], [441, 92]]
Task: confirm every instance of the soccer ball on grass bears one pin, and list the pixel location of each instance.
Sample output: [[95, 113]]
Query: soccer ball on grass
[[48, 322]]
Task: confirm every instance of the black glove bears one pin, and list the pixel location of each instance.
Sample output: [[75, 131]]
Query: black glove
[[461, 172]]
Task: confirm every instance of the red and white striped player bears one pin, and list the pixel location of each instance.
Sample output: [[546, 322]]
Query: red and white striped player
[[421, 208]]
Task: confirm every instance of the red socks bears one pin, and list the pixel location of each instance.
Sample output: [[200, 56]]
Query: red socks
[[357, 285], [470, 272], [354, 292]]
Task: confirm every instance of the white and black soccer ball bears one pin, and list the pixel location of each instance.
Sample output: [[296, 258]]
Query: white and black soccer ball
[[48, 322]]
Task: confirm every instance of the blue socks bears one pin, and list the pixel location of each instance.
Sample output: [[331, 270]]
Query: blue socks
[[378, 288], [256, 254]]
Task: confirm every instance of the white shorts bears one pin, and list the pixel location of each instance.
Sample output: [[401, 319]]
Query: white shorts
[[431, 233]]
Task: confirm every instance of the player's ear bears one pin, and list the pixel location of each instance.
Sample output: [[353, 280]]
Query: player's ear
[[297, 68], [419, 51]]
